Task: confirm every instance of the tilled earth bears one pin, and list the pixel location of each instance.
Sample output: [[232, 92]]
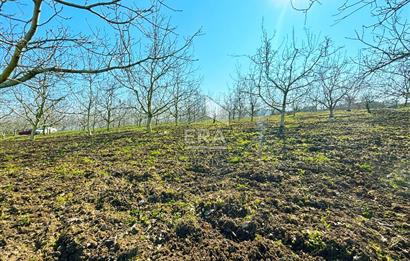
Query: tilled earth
[[331, 190]]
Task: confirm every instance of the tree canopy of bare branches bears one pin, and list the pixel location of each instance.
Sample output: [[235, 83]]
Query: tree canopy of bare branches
[[156, 82], [28, 28], [287, 69], [38, 102], [398, 81], [333, 81], [387, 40]]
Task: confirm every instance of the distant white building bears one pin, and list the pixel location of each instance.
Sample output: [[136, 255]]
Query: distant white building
[[47, 130], [215, 111]]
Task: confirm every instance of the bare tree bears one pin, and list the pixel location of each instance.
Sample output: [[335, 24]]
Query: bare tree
[[368, 98], [389, 44], [194, 106], [253, 84], [108, 103], [229, 105], [185, 85], [247, 86], [399, 81], [38, 104], [123, 112], [313, 97], [298, 101], [89, 103], [152, 81], [333, 81], [288, 70], [387, 40], [5, 111], [24, 33], [86, 95], [370, 89], [239, 103], [182, 97], [351, 96]]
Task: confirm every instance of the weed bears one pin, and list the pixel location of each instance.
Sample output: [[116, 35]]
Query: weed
[[65, 169], [324, 219], [24, 221], [301, 172], [183, 158], [64, 198], [381, 255], [360, 219], [87, 160], [367, 213], [318, 159], [243, 143], [315, 241], [140, 216], [241, 186], [235, 159], [278, 243], [11, 167], [155, 153], [397, 180], [365, 167], [102, 173]]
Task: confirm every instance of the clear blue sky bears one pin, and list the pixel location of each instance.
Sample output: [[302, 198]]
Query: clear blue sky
[[232, 27]]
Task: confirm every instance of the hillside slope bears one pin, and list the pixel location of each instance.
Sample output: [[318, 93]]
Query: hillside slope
[[330, 190]]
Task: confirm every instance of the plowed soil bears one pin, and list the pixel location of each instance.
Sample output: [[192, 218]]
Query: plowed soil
[[331, 190]]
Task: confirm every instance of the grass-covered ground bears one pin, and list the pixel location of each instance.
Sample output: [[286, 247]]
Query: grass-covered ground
[[335, 190]]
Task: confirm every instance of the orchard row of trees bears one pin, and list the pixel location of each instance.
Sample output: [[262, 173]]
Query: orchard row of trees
[[312, 73], [59, 76], [130, 66]]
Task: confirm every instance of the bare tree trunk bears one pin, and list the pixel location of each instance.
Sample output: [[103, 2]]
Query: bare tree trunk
[[252, 112], [149, 122], [108, 120], [94, 123], [33, 130], [89, 124], [331, 113], [282, 123], [368, 107], [89, 117], [176, 115], [282, 116], [34, 127], [349, 105], [39, 115]]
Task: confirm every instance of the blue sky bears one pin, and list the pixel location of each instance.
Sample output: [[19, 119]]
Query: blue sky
[[232, 27]]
